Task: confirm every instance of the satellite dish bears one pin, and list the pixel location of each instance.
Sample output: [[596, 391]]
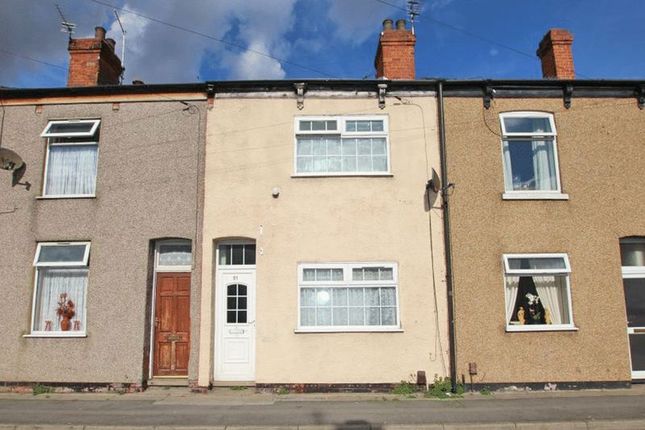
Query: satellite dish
[[434, 184], [9, 160]]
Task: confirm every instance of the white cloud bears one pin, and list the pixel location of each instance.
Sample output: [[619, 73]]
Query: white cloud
[[249, 65], [357, 20]]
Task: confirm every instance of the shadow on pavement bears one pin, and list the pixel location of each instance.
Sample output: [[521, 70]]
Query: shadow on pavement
[[358, 425]]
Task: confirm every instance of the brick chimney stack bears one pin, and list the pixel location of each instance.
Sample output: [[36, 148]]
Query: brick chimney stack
[[93, 61], [395, 53], [555, 53]]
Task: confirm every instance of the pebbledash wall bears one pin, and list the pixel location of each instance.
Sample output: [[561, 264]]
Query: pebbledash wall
[[599, 147], [148, 187], [250, 153]]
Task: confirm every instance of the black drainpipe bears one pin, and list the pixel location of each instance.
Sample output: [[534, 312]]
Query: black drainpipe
[[446, 238]]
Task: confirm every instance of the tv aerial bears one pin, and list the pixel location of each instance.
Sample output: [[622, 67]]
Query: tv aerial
[[68, 27], [123, 32], [414, 10]]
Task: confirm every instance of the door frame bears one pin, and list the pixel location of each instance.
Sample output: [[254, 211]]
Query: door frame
[[157, 268], [631, 272], [217, 302]]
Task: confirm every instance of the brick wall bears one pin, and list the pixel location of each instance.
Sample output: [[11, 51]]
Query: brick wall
[[555, 53], [93, 62], [395, 54]]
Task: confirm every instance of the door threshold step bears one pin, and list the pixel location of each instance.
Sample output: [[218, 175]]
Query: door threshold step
[[168, 382]]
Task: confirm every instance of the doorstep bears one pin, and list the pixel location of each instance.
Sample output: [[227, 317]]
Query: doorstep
[[168, 381]]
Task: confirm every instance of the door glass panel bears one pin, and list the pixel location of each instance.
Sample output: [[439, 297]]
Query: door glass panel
[[175, 255], [635, 301], [637, 348], [236, 309], [236, 255]]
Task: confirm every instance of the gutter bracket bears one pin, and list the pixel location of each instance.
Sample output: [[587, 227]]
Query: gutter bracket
[[301, 89], [489, 93], [382, 88], [210, 95], [567, 93], [639, 92]]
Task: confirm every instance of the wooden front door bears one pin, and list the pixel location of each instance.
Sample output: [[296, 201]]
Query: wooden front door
[[172, 325]]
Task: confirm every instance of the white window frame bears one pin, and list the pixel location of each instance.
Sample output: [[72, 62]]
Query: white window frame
[[236, 267], [170, 268], [91, 141], [340, 132], [552, 136], [348, 283], [95, 124], [78, 264], [633, 272], [566, 271]]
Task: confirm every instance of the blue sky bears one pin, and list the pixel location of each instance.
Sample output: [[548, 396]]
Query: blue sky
[[328, 38]]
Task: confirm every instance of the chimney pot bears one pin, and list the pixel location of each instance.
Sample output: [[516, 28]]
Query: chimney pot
[[400, 24], [99, 33], [555, 54], [387, 24], [138, 82]]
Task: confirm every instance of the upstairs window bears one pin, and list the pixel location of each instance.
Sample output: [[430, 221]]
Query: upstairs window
[[537, 292], [327, 146], [530, 155], [61, 288], [72, 154]]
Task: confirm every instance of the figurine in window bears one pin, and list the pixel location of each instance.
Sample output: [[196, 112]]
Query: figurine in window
[[520, 316]]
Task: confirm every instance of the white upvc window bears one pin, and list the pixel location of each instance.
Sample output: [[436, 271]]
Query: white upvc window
[[341, 146], [537, 292], [72, 156], [60, 289], [530, 156], [348, 297]]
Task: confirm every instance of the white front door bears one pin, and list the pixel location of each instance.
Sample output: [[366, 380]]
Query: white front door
[[235, 325]]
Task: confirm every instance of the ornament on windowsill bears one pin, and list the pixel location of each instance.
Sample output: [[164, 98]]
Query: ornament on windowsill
[[65, 312]]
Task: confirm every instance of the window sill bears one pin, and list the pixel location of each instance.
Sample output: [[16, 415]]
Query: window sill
[[530, 195], [348, 330], [55, 335], [87, 196], [343, 175], [533, 328]]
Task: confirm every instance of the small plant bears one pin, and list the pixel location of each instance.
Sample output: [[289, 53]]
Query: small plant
[[485, 391], [404, 388], [282, 390], [441, 388], [238, 388], [41, 389]]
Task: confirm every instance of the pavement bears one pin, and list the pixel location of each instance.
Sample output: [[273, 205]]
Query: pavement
[[243, 409]]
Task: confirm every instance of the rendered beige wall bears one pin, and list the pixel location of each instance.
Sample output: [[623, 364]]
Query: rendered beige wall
[[250, 150], [600, 149], [147, 188]]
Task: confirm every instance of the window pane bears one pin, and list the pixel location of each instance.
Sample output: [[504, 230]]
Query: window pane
[[231, 290], [323, 274], [231, 317], [175, 255], [241, 290], [60, 300], [249, 254], [335, 164], [356, 316], [224, 254], [305, 164], [323, 297], [377, 125], [388, 297], [307, 297], [371, 296], [319, 164], [378, 146], [70, 127], [357, 274], [231, 303], [373, 316], [350, 126], [241, 316], [238, 254], [355, 296], [550, 263], [241, 303], [309, 275], [370, 273], [308, 317], [319, 146], [530, 164], [386, 274], [637, 349], [318, 125], [304, 146], [323, 316], [364, 146], [331, 125], [333, 146], [71, 170], [632, 253], [379, 164], [388, 316], [527, 125], [349, 146], [336, 274], [363, 163], [339, 296], [635, 301], [340, 316], [305, 125], [61, 254], [349, 164], [537, 300]]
